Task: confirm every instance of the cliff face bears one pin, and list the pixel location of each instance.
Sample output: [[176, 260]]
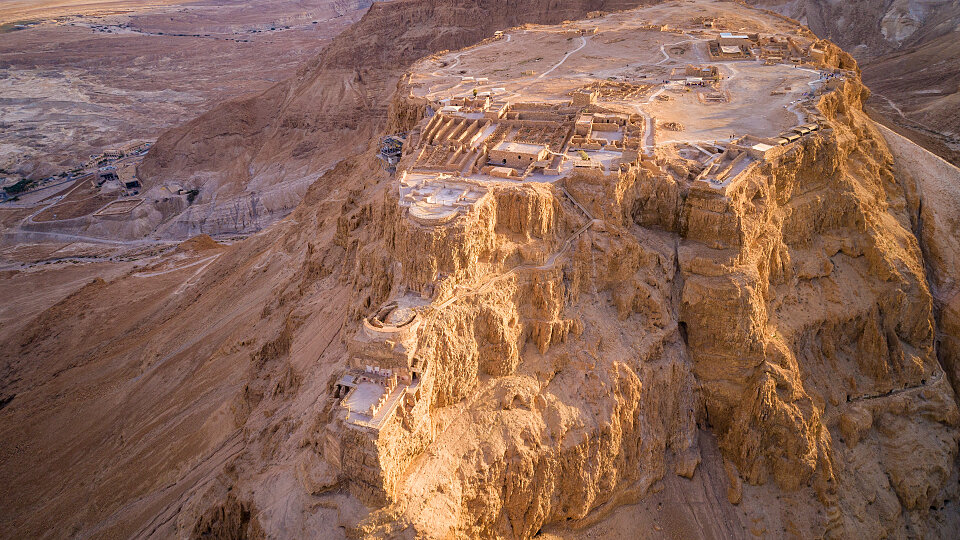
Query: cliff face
[[247, 155], [824, 329], [555, 420], [790, 316], [932, 189], [252, 159]]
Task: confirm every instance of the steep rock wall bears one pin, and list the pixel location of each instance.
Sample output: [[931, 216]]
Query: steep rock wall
[[796, 303], [909, 56], [562, 392]]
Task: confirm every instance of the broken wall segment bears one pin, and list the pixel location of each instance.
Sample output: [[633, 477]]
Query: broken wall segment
[[518, 155]]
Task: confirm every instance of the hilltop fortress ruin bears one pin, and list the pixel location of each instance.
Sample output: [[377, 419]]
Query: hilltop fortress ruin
[[545, 148], [651, 272]]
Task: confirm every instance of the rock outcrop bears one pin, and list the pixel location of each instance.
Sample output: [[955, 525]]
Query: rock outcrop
[[797, 306]]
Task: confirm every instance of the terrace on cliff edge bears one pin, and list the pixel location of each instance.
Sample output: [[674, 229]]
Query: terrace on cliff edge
[[647, 161]]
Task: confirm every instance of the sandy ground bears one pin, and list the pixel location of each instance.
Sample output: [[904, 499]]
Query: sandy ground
[[26, 294], [910, 60], [130, 407], [752, 108], [104, 73], [19, 10], [37, 275]]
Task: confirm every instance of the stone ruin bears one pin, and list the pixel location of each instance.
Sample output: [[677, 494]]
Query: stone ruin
[[382, 409]]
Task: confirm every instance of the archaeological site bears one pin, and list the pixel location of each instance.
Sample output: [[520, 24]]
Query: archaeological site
[[588, 269]]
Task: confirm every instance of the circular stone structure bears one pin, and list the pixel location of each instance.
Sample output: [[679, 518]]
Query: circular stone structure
[[391, 320]]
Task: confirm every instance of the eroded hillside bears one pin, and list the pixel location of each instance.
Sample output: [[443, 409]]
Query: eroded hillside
[[621, 267], [908, 52], [80, 78]]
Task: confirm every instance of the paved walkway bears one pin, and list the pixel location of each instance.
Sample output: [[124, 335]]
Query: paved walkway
[[934, 379]]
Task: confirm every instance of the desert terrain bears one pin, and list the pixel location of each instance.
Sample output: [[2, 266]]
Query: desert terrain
[[908, 54], [171, 61], [17, 11], [82, 79], [63, 109], [592, 270], [85, 76]]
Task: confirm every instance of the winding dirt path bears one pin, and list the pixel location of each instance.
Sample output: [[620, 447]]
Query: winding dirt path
[[583, 43], [176, 269]]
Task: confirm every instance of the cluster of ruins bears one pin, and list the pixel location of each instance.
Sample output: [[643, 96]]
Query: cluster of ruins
[[476, 139], [381, 393], [771, 49], [435, 200]]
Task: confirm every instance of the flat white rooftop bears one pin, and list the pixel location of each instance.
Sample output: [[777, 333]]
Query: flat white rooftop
[[520, 148], [363, 396], [367, 397]]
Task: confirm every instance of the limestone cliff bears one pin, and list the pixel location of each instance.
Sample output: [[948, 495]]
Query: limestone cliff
[[908, 54], [797, 306]]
